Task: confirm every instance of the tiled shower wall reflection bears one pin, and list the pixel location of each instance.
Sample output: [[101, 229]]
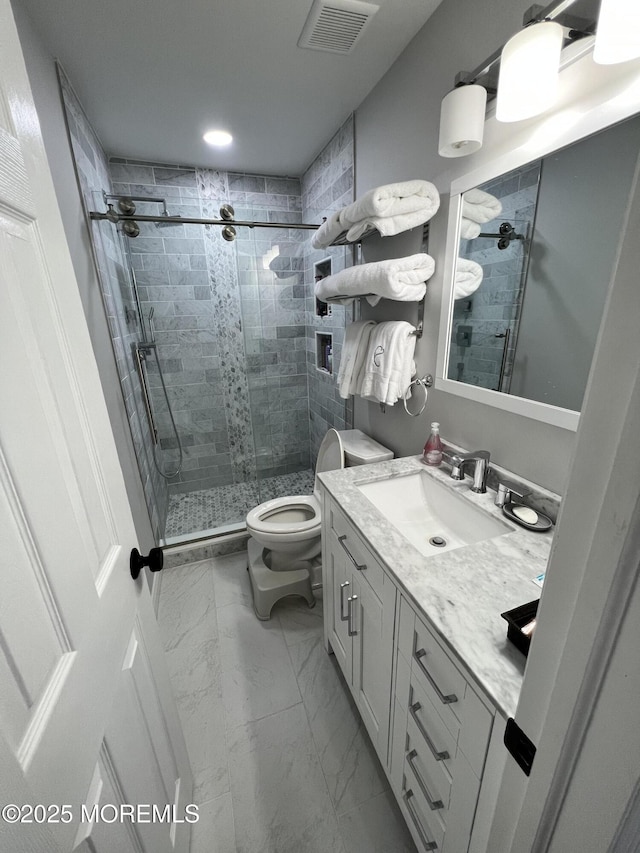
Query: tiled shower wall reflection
[[93, 173], [495, 306], [229, 322], [327, 185]]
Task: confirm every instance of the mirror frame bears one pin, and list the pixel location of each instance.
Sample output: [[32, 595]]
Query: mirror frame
[[591, 98]]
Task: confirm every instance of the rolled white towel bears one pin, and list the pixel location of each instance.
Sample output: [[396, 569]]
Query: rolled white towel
[[401, 279], [389, 362], [354, 350], [479, 206], [327, 232], [468, 278], [469, 230]]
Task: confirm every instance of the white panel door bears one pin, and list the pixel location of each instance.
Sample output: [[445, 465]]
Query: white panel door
[[86, 712]]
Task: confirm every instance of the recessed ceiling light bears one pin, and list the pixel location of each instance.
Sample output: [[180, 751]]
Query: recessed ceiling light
[[218, 137]]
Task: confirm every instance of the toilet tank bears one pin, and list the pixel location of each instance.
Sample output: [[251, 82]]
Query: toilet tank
[[360, 449]]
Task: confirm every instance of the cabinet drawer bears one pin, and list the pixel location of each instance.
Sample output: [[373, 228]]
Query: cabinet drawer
[[468, 719], [355, 551], [426, 825]]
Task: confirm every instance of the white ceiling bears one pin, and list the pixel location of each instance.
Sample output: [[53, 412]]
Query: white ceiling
[[153, 75]]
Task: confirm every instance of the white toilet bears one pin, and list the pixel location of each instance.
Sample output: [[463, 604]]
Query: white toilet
[[284, 545]]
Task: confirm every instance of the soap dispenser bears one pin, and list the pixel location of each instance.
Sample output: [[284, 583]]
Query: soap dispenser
[[432, 454]]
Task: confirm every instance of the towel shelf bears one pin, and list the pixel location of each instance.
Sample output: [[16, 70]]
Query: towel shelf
[[341, 239], [337, 300]]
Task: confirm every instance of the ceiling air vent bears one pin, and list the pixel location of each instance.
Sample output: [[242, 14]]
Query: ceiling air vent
[[336, 25]]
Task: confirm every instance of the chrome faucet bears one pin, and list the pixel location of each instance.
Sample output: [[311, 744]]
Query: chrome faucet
[[459, 462]]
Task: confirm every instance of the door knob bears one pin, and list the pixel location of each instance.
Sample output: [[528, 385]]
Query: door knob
[[154, 559]]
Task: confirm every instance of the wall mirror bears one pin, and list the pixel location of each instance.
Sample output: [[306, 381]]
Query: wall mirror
[[531, 280], [525, 283]]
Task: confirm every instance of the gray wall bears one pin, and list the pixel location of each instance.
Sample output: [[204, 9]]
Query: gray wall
[[42, 76], [397, 129]]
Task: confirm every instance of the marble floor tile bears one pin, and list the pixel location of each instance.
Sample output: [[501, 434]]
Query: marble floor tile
[[298, 621], [257, 675], [376, 826], [281, 802], [196, 676], [214, 832], [231, 583], [186, 613], [348, 758]]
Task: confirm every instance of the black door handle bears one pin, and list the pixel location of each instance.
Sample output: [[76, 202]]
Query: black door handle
[[155, 561]]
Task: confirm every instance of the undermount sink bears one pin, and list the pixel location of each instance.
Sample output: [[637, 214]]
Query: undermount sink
[[432, 517]]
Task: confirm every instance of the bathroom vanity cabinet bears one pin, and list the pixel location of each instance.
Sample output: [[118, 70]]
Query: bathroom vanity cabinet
[[359, 621], [429, 710]]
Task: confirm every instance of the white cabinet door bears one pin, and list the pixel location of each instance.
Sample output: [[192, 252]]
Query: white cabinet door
[[340, 586], [372, 659], [86, 713]]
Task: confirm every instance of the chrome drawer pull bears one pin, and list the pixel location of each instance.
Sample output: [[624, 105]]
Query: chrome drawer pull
[[439, 756], [351, 631], [417, 656], [350, 555], [428, 845], [343, 586], [433, 804]]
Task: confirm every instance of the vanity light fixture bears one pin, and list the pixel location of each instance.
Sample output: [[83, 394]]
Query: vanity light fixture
[[219, 138], [529, 71], [462, 121], [618, 32]]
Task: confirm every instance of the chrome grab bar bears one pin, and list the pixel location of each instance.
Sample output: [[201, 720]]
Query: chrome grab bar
[[343, 586], [417, 656], [428, 845], [349, 554], [351, 631], [433, 804], [413, 708]]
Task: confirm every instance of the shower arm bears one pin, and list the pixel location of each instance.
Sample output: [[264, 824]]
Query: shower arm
[[193, 220]]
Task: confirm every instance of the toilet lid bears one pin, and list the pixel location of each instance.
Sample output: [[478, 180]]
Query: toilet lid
[[331, 453]]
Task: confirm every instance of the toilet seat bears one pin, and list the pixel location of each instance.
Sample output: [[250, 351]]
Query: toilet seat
[[296, 517]]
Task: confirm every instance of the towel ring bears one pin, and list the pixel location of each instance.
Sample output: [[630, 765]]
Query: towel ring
[[426, 382]]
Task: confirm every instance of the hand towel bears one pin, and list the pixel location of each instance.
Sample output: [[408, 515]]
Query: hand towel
[[469, 230], [387, 226], [389, 362], [401, 279], [354, 350], [468, 278]]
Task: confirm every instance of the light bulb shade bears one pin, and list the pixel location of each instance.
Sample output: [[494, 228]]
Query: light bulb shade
[[618, 33], [529, 70], [462, 121]]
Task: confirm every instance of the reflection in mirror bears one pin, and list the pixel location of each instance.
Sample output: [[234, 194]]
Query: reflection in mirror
[[536, 253]]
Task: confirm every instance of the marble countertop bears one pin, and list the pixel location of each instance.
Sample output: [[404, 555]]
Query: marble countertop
[[461, 592]]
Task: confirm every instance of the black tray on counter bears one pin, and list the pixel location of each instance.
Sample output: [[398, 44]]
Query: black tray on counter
[[516, 620]]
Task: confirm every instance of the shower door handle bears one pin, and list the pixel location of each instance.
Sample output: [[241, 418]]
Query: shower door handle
[[343, 586]]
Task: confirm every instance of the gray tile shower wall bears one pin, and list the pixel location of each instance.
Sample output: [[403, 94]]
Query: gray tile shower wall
[[229, 322], [327, 185], [93, 175]]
